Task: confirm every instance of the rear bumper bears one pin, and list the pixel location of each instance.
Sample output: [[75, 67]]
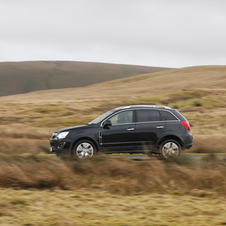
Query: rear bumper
[[188, 142], [187, 146]]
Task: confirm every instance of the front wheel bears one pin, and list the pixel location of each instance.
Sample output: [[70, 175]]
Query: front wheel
[[170, 149], [84, 149]]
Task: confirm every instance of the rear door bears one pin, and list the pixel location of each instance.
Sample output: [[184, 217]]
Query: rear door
[[149, 127], [172, 123]]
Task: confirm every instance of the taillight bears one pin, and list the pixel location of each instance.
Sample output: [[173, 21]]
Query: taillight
[[185, 125]]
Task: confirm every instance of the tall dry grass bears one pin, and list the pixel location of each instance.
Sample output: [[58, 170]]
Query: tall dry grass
[[113, 174], [23, 146]]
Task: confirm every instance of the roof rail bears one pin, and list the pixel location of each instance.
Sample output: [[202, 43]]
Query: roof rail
[[150, 106]]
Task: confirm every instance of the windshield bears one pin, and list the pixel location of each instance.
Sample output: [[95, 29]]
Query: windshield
[[100, 118]]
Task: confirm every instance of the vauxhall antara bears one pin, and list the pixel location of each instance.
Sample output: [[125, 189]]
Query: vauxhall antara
[[150, 129]]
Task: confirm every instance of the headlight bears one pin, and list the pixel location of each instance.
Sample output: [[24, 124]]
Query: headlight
[[62, 135]]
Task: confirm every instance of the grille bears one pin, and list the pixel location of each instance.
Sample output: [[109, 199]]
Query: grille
[[52, 144]]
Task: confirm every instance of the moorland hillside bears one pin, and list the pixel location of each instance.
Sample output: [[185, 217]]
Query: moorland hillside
[[199, 93], [24, 77], [145, 85]]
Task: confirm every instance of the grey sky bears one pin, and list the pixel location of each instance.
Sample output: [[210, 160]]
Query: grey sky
[[168, 33]]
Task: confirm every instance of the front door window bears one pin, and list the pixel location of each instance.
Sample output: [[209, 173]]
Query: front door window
[[122, 117]]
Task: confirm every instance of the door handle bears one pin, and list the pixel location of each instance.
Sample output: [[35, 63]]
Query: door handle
[[159, 127], [130, 129]]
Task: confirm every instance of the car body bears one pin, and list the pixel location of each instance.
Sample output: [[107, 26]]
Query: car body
[[151, 129]]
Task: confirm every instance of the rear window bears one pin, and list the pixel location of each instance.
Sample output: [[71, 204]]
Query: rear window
[[179, 115], [148, 116], [168, 116]]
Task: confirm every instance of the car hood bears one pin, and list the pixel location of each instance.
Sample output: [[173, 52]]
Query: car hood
[[71, 128]]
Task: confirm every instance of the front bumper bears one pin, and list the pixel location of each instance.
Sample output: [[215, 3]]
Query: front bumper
[[60, 147]]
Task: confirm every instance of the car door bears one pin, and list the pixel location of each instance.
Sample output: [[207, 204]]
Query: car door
[[120, 135], [149, 127]]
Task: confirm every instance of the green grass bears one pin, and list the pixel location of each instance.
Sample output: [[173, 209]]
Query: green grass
[[193, 103], [171, 97], [48, 109], [181, 99]]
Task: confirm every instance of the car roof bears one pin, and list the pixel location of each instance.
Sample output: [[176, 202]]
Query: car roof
[[142, 106]]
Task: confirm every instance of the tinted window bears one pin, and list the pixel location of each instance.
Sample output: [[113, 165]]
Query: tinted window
[[148, 115], [168, 116], [122, 117]]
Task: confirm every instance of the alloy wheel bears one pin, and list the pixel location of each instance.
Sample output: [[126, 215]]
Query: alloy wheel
[[170, 149], [84, 150]]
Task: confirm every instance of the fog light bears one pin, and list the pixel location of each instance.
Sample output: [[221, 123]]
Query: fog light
[[61, 145]]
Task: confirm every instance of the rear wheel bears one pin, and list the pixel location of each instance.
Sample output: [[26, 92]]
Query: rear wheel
[[84, 149], [170, 149]]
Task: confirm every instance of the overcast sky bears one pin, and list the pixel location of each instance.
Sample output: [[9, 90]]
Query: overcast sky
[[167, 33]]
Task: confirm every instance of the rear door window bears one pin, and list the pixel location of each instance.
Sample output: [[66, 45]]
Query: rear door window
[[148, 116]]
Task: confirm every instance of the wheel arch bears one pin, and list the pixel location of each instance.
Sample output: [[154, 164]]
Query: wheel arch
[[170, 137]]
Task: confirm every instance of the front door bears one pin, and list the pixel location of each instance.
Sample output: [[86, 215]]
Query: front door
[[149, 127], [120, 136]]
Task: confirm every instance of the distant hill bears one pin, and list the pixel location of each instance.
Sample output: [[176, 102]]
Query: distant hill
[[24, 77], [145, 85]]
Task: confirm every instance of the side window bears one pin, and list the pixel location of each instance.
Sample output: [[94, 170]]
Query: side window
[[168, 116], [122, 117], [148, 116]]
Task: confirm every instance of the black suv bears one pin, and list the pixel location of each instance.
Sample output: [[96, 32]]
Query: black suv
[[150, 129]]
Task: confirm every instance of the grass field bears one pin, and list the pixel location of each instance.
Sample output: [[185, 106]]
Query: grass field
[[33, 122], [40, 189], [114, 174], [93, 207]]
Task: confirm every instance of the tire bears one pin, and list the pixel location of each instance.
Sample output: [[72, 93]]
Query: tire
[[169, 149], [84, 149]]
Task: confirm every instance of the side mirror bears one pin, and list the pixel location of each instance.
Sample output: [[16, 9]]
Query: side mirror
[[107, 123]]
